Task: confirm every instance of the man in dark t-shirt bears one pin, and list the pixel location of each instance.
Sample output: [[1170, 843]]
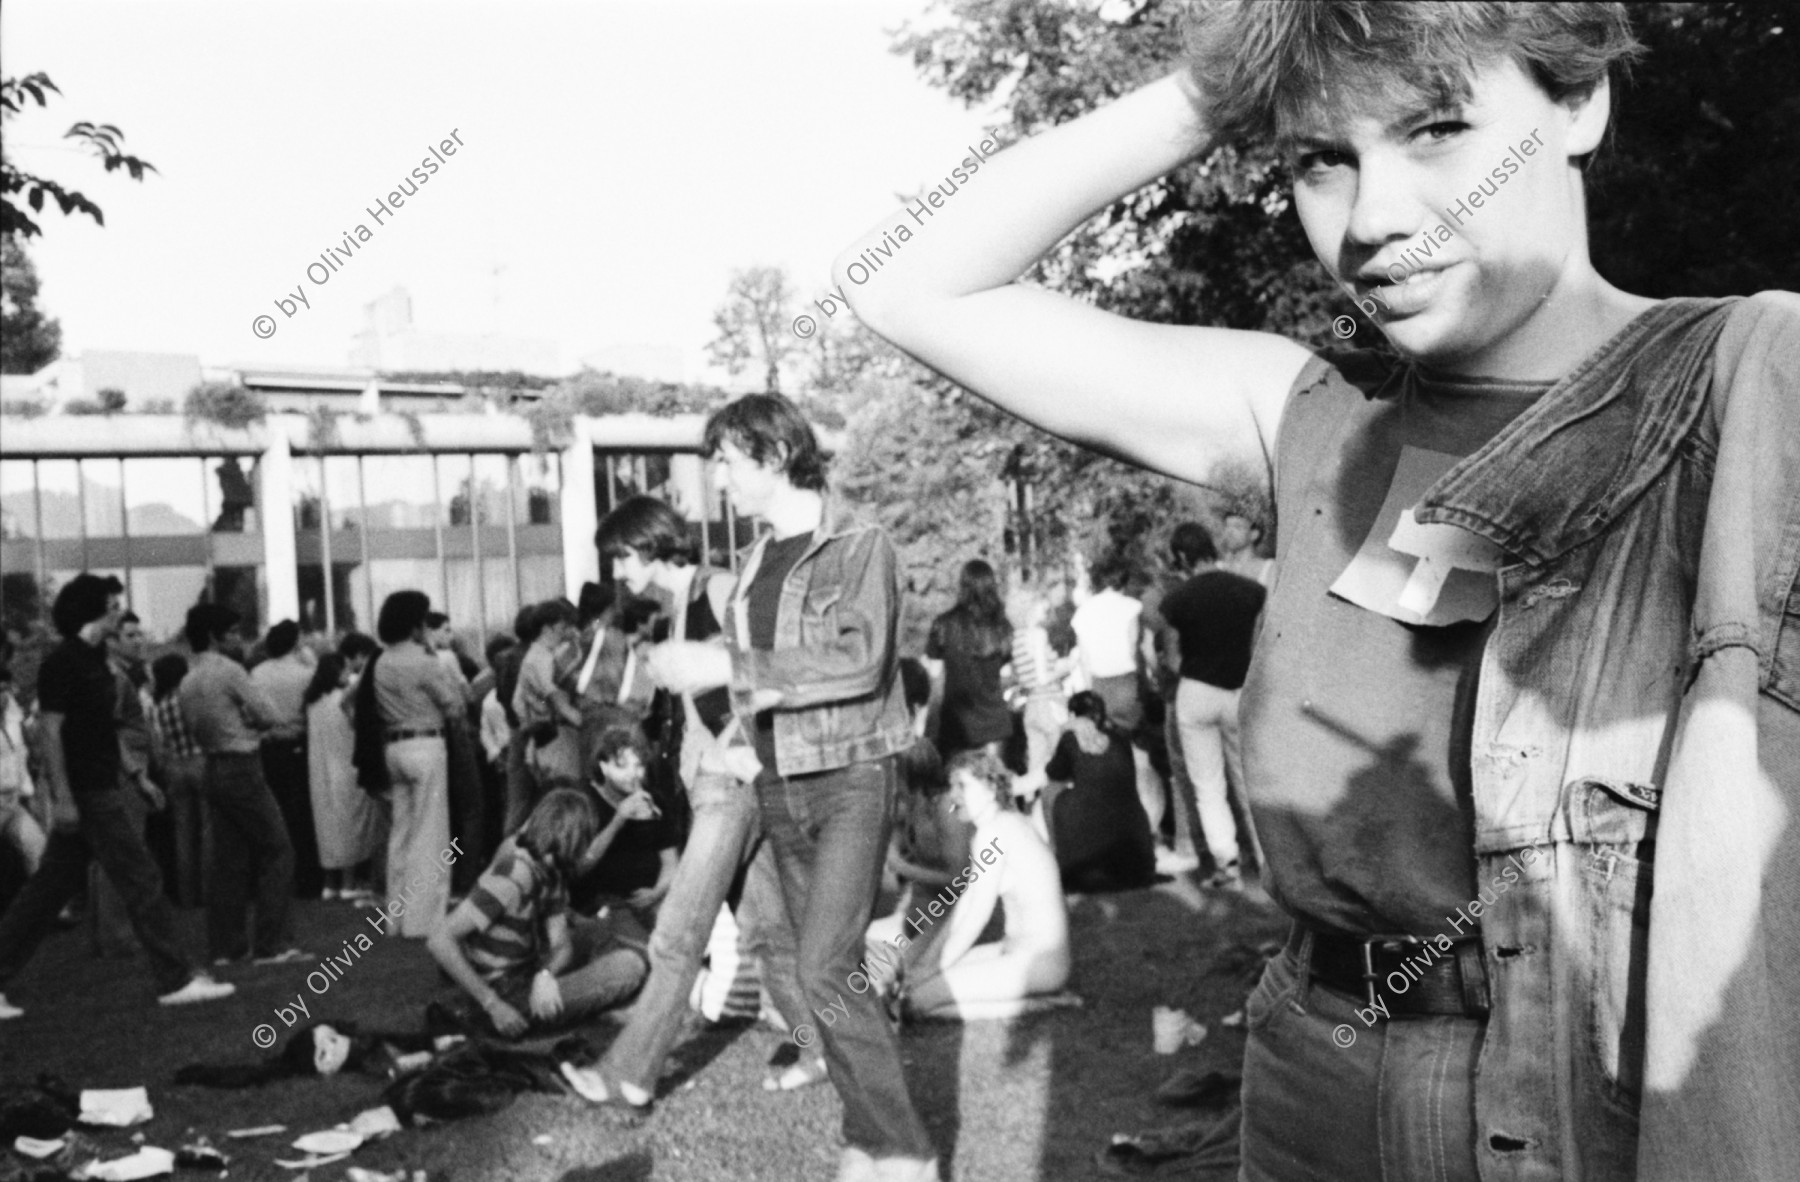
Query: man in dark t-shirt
[[1213, 615], [88, 818], [633, 855]]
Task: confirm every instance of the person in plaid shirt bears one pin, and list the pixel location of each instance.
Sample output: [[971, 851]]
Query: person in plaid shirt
[[180, 767]]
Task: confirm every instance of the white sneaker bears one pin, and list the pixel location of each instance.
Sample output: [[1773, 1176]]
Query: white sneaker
[[201, 988], [285, 956], [8, 1009], [1172, 863]]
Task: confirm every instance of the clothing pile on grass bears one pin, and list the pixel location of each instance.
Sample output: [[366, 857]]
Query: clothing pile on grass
[[429, 1078]]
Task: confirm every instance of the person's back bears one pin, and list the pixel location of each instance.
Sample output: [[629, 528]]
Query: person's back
[[1214, 613]]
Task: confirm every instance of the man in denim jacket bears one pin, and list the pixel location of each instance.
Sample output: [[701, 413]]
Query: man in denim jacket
[[1534, 623], [811, 662]]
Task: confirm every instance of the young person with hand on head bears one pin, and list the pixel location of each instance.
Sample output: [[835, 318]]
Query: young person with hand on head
[[88, 817], [1583, 649], [513, 946], [811, 660]]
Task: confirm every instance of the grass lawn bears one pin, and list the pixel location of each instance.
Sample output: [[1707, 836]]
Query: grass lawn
[[1033, 1099]]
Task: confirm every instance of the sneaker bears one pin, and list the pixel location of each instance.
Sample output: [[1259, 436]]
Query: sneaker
[[1171, 863], [200, 988], [285, 956], [8, 1009]]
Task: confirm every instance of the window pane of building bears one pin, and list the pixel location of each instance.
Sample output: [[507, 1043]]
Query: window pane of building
[[400, 492], [343, 488], [103, 498], [489, 491], [232, 494], [165, 497], [540, 577], [538, 489], [499, 593], [18, 500], [59, 498], [388, 575], [161, 596]]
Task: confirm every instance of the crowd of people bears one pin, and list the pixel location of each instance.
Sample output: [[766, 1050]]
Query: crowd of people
[[1531, 647], [570, 824]]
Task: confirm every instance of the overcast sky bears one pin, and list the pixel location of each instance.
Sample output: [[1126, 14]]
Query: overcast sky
[[620, 160]]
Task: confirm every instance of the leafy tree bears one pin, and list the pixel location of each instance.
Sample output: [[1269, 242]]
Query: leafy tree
[[18, 186], [754, 325], [29, 340]]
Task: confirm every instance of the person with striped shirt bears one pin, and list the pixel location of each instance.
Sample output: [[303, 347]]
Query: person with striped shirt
[[512, 944]]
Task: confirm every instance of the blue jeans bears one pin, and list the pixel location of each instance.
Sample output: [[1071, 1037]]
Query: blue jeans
[[830, 835], [1395, 1105], [725, 834]]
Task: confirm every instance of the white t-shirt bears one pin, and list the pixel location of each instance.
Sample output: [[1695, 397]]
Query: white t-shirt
[[1106, 630]]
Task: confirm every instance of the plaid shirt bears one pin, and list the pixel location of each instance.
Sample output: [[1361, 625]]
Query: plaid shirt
[[169, 732]]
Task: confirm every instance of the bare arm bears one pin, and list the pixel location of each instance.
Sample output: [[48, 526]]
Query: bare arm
[[1173, 399]]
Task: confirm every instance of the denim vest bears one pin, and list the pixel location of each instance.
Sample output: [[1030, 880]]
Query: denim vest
[[836, 658], [1599, 494]]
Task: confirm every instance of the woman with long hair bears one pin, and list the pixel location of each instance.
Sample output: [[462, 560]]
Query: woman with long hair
[[347, 819], [970, 644]]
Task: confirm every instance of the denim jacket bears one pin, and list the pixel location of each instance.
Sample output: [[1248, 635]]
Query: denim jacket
[[1639, 703], [836, 658]]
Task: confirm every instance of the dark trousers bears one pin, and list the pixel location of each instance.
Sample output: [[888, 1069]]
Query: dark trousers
[[285, 772], [111, 835], [252, 860], [830, 836]]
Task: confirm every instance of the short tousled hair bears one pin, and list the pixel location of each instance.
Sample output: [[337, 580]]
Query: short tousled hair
[[402, 614], [166, 673], [357, 644], [554, 611], [1265, 67], [1191, 544], [770, 429], [560, 828], [206, 622], [649, 528], [82, 600], [616, 740], [282, 638]]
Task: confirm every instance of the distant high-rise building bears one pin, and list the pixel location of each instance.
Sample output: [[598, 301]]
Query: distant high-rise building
[[390, 342]]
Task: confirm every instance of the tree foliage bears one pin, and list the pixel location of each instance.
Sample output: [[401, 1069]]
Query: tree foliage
[[754, 325], [29, 340], [19, 188]]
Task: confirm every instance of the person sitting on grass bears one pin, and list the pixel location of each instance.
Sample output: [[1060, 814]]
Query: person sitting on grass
[[1091, 808], [632, 858], [953, 977], [514, 948]]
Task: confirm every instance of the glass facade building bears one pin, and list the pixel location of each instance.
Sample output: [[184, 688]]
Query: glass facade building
[[280, 525]]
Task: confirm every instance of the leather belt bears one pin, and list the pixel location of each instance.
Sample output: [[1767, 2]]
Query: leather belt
[[423, 732], [1405, 976]]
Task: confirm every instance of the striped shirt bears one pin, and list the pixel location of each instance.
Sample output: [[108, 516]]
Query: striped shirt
[[1033, 665], [516, 896], [169, 732]]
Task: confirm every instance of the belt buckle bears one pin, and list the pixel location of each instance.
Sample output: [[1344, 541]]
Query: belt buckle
[[1368, 958]]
